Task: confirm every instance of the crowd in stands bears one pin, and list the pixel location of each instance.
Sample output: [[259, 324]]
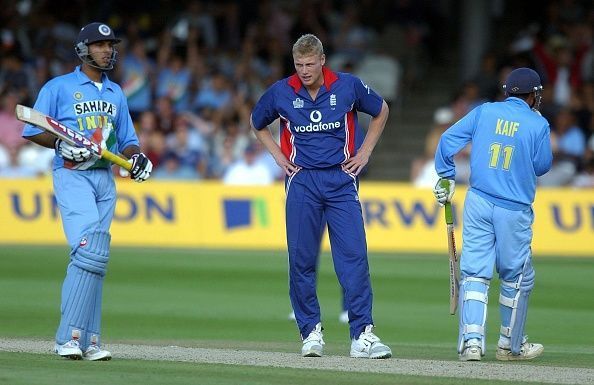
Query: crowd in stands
[[192, 70], [192, 79], [560, 48]]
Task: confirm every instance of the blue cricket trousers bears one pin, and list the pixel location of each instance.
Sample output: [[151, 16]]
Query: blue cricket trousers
[[312, 196]]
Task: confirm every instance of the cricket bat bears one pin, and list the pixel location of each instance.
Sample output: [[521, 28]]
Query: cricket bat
[[68, 135], [453, 257]]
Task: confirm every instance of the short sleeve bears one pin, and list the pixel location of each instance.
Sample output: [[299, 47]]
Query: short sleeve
[[367, 100], [265, 111]]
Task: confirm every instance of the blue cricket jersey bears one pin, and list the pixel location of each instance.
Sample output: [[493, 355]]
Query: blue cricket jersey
[[511, 146], [317, 133], [76, 102]]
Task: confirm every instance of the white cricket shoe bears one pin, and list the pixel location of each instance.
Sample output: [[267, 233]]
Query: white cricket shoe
[[95, 353], [368, 345], [472, 350], [528, 351], [343, 317], [314, 343], [70, 349]]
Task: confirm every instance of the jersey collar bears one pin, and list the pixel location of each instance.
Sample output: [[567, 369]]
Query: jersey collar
[[518, 101], [329, 78], [83, 78]]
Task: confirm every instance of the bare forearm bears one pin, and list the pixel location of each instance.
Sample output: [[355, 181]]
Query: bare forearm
[[44, 139], [130, 150], [376, 127], [265, 136]]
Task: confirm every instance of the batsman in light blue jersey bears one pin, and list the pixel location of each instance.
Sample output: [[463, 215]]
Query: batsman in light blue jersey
[[86, 100], [510, 147]]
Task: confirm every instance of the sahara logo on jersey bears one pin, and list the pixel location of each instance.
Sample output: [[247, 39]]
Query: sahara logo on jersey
[[316, 125], [241, 213], [91, 106]]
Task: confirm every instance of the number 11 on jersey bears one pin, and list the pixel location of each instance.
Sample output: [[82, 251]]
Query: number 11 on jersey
[[495, 149]]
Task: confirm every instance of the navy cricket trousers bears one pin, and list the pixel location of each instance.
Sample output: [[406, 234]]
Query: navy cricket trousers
[[312, 196]]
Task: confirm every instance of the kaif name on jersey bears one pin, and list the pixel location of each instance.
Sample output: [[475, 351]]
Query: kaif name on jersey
[[91, 106], [506, 127]]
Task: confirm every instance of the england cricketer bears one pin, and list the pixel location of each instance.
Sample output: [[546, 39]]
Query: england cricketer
[[88, 101], [318, 114], [511, 146]]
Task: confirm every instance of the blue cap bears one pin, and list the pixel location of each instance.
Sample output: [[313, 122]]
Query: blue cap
[[522, 81], [95, 32]]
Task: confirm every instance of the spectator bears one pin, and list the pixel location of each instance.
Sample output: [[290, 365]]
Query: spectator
[[195, 17], [229, 145], [214, 93], [585, 179], [13, 169], [189, 146], [14, 77], [10, 126], [247, 171], [171, 167], [176, 64], [36, 157], [569, 146], [487, 79], [423, 169], [166, 114], [136, 74], [156, 147], [264, 158]]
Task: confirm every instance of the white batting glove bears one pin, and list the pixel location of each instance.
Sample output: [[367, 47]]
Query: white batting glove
[[444, 194], [72, 153], [141, 167]]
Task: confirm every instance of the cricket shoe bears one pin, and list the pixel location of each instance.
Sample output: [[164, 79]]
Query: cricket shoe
[[472, 350], [368, 345], [314, 343], [528, 351], [70, 349], [95, 353]]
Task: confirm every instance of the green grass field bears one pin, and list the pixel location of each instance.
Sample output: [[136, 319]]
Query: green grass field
[[239, 300]]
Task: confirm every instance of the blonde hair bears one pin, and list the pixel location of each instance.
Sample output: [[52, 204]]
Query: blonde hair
[[308, 45]]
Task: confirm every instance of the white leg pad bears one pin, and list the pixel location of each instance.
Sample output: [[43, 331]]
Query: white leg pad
[[513, 306], [473, 301]]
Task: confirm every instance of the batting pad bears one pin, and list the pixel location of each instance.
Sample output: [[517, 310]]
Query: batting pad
[[78, 294], [92, 253], [473, 300], [513, 306], [93, 329]]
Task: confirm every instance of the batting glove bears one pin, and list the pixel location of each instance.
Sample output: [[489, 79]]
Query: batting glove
[[444, 190], [72, 153], [141, 167]]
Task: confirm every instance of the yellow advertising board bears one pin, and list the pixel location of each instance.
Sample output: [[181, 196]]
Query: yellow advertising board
[[398, 217]]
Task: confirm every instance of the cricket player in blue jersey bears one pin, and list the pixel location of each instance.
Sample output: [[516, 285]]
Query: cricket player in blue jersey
[[88, 101], [511, 146], [318, 114]]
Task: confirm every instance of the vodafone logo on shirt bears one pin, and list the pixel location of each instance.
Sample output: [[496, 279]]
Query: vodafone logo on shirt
[[316, 124]]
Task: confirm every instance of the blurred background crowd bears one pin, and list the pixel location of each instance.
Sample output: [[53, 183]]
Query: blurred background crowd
[[192, 71]]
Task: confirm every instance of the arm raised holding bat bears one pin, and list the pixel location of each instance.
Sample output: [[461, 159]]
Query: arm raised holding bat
[[84, 116], [510, 148]]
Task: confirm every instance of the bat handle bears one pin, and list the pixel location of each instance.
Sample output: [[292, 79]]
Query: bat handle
[[448, 205], [449, 217], [113, 158]]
